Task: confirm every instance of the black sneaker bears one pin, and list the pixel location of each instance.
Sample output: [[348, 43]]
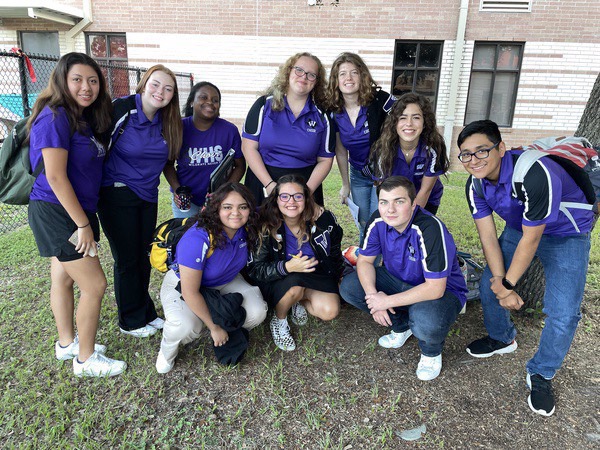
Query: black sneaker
[[486, 347], [541, 399]]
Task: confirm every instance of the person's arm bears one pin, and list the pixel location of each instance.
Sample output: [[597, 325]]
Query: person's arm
[[486, 228], [365, 269], [171, 176], [431, 289], [341, 156], [319, 173], [427, 184], [55, 166], [522, 258], [191, 280], [256, 164], [238, 170]]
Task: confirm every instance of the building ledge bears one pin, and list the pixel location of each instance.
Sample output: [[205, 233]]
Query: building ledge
[[40, 9]]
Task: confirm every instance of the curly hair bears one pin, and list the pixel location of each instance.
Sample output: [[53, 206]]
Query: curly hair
[[271, 217], [188, 108], [171, 117], [385, 150], [367, 89], [97, 115], [280, 84], [208, 218]]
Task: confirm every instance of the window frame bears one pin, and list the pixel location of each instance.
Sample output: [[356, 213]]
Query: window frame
[[416, 68], [494, 71]]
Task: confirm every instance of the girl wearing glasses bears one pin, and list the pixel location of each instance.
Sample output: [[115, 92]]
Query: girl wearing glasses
[[286, 130], [411, 146], [299, 261], [358, 107]]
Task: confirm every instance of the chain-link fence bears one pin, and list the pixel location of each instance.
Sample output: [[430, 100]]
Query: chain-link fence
[[18, 94]]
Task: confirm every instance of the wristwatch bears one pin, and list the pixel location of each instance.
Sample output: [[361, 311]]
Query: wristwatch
[[507, 284]]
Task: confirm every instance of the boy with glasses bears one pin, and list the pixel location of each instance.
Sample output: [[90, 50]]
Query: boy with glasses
[[536, 225]]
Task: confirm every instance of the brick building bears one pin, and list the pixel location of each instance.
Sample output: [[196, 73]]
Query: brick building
[[529, 65]]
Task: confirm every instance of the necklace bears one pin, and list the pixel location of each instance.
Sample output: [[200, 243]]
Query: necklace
[[408, 152]]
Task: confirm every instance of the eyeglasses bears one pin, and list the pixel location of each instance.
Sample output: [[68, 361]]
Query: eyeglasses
[[482, 153], [298, 197], [300, 72]]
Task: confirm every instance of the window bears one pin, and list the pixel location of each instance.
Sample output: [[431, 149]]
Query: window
[[494, 81], [110, 50], [505, 5], [417, 68]]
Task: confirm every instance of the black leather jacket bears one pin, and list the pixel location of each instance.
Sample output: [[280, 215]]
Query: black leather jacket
[[268, 262]]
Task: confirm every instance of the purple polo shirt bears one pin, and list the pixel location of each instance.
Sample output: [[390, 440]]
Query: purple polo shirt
[[222, 266], [356, 138], [421, 165], [291, 245], [425, 249], [139, 155], [202, 151], [84, 159], [537, 201], [286, 141]]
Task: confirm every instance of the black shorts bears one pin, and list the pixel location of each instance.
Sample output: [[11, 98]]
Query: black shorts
[[52, 227], [274, 291]]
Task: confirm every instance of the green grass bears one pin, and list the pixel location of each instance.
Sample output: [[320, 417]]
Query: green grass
[[273, 400]]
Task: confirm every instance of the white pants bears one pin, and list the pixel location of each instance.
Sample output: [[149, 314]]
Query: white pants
[[182, 326]]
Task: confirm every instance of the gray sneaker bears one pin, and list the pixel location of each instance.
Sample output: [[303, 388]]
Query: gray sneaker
[[72, 350], [98, 365], [299, 314], [281, 334]]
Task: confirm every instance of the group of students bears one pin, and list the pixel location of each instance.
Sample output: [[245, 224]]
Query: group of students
[[271, 244]]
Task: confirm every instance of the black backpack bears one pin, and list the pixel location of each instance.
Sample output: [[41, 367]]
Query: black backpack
[[16, 176]]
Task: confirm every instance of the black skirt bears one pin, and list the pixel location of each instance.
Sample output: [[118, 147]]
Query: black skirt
[[275, 290]]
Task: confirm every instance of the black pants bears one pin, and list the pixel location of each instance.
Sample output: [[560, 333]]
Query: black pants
[[128, 223], [255, 186]]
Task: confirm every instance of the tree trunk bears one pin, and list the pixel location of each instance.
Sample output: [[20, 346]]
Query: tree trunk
[[589, 125]]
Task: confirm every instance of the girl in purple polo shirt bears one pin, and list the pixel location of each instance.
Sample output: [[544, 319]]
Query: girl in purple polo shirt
[[299, 262], [129, 195], [67, 135], [411, 146], [210, 254], [286, 130], [206, 140], [358, 108]]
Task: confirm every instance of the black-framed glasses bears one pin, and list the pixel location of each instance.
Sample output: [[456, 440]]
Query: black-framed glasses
[[482, 153], [298, 197], [299, 71]]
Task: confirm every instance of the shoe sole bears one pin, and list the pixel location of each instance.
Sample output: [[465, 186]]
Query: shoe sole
[[140, 335], [541, 412], [428, 379], [502, 351], [395, 346]]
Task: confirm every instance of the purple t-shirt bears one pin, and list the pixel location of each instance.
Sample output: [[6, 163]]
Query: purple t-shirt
[[545, 186], [222, 266], [421, 165], [291, 245], [84, 161], [425, 249], [286, 141], [139, 155], [202, 151]]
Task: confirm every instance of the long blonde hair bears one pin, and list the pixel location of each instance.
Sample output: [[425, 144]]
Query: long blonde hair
[[171, 117], [281, 82]]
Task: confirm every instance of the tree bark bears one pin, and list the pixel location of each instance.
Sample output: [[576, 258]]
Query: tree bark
[[589, 125]]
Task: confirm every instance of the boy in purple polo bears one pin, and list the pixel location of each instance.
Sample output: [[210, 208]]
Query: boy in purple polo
[[540, 221], [420, 290]]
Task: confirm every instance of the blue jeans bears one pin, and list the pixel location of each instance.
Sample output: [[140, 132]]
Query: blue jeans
[[565, 261], [430, 321], [364, 195], [178, 214]]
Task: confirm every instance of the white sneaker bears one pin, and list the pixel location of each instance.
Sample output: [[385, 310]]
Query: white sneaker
[[280, 330], [429, 367], [72, 350], [162, 365], [394, 340], [299, 314], [143, 332], [98, 365], [157, 323]]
